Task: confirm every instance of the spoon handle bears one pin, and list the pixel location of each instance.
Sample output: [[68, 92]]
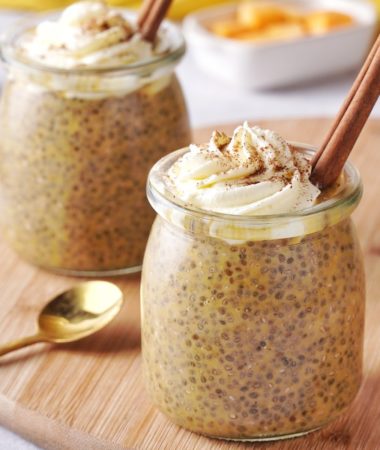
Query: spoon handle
[[20, 343]]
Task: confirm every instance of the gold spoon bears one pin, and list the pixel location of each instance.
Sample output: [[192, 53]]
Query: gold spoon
[[74, 314]]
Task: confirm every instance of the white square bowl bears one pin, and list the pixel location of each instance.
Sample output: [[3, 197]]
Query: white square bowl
[[272, 64]]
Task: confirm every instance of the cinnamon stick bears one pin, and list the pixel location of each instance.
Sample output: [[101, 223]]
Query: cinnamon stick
[[341, 138], [154, 17], [144, 12], [347, 101]]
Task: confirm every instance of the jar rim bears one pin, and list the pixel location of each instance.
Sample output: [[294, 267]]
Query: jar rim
[[8, 53], [348, 198]]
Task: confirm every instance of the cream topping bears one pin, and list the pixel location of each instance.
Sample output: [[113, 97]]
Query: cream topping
[[253, 173], [88, 33]]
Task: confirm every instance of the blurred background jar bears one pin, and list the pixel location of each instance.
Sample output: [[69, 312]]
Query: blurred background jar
[[75, 151]]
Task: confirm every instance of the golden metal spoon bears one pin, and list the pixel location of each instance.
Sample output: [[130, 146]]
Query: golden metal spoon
[[74, 314]]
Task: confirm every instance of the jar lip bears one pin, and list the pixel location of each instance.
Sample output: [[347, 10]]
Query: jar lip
[[9, 54], [350, 195]]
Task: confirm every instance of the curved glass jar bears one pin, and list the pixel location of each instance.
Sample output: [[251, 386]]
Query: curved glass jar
[[252, 327], [75, 150]]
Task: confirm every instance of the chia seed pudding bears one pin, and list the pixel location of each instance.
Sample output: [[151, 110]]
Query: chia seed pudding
[[77, 144], [252, 327]]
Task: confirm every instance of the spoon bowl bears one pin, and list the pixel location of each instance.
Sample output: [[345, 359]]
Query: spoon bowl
[[80, 311]]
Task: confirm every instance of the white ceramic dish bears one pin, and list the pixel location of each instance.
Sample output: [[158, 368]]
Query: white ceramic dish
[[274, 64]]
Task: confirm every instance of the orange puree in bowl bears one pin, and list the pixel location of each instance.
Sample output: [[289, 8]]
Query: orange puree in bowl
[[265, 22]]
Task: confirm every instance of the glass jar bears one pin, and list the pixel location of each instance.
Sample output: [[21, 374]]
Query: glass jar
[[75, 150], [252, 327]]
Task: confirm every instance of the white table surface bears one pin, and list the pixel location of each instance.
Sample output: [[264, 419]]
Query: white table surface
[[210, 102]]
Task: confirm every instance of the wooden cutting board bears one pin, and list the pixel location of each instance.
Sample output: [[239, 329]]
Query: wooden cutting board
[[90, 395]]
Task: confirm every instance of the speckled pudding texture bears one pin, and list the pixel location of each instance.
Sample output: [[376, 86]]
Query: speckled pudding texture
[[73, 172], [254, 340]]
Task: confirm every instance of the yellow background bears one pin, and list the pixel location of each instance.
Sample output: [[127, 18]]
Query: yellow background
[[179, 8]]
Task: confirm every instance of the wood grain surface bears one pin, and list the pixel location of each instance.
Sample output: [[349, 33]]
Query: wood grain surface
[[90, 394]]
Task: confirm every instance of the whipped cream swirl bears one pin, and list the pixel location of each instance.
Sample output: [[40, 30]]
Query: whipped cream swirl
[[88, 33], [253, 173]]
